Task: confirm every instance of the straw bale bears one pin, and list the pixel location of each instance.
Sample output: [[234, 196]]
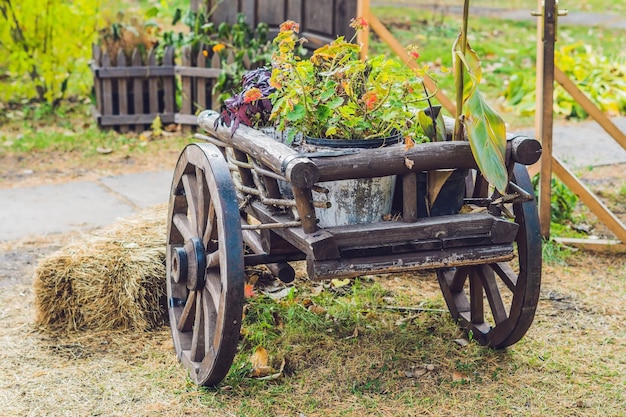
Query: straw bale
[[111, 279]]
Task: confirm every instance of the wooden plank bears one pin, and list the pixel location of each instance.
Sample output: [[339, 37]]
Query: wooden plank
[[395, 46], [215, 100], [272, 12], [139, 71], [294, 10], [153, 91], [96, 54], [318, 17], [405, 262], [363, 36], [122, 90], [200, 103], [169, 89], [589, 199], [107, 89], [409, 197], [440, 227], [187, 90], [138, 107], [202, 72], [547, 117], [318, 245], [595, 245], [145, 119]]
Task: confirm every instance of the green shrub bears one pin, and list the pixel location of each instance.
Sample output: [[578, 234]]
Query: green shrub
[[562, 200], [601, 78], [45, 48]]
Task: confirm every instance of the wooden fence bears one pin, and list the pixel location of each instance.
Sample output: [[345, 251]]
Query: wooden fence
[[131, 93]]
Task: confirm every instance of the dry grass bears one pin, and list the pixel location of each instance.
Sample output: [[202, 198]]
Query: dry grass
[[571, 362], [113, 279]]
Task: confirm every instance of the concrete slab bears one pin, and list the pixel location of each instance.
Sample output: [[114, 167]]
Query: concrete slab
[[57, 208], [142, 189]]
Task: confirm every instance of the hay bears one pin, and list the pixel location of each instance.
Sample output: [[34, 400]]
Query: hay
[[112, 279]]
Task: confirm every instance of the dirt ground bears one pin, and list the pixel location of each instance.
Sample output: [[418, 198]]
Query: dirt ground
[[580, 317]]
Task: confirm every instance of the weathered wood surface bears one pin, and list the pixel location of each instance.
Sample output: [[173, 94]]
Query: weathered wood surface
[[133, 92], [442, 258], [364, 163], [320, 21]]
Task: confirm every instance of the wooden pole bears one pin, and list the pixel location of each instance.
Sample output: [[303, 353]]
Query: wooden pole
[[363, 36], [544, 116]]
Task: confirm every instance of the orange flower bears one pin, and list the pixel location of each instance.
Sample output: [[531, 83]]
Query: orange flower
[[252, 95], [289, 25], [219, 47], [370, 98], [359, 23], [205, 53]]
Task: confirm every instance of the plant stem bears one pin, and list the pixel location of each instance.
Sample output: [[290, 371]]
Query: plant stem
[[458, 125]]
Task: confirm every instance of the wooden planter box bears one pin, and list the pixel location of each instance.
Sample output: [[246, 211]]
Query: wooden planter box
[[130, 94]]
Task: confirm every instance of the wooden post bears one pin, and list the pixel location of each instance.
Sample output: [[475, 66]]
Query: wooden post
[[363, 36], [544, 116]]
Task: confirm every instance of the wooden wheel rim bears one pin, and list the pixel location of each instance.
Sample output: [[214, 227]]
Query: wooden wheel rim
[[470, 290], [205, 267]]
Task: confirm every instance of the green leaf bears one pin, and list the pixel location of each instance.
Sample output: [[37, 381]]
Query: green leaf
[[487, 136], [333, 104], [297, 114]]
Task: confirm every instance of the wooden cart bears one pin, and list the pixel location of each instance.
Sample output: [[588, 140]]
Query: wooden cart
[[227, 192]]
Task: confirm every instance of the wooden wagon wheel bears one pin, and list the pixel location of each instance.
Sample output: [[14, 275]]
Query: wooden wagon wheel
[[497, 302], [205, 267]]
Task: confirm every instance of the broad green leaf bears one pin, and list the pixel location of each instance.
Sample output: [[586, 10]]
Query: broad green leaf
[[435, 132], [487, 136], [336, 102], [298, 113]]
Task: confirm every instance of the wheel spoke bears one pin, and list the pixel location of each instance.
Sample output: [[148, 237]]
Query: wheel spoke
[[506, 274], [487, 277], [211, 335], [191, 193], [185, 322], [200, 205], [181, 222], [213, 259], [209, 229], [213, 285], [198, 341], [477, 311], [458, 281]]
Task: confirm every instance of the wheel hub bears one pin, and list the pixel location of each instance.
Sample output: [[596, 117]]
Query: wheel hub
[[188, 264]]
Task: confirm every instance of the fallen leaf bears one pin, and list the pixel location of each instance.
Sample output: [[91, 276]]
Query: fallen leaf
[[260, 363], [315, 309], [461, 342], [408, 163], [103, 150], [248, 291], [459, 376], [275, 375], [338, 283]]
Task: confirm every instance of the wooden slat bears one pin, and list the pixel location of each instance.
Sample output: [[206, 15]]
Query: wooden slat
[[138, 107], [153, 92], [169, 89], [597, 245], [409, 197], [200, 103], [107, 89], [589, 107], [353, 267], [186, 81], [122, 90], [362, 37], [187, 71], [96, 55], [144, 71], [589, 199], [133, 119]]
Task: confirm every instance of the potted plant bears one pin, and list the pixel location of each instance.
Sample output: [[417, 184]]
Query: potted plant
[[337, 99]]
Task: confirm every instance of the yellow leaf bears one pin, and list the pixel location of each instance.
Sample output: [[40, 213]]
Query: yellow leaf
[[436, 180], [260, 360], [338, 283]]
